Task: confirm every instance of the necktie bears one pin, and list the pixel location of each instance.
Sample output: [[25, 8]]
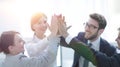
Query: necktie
[[89, 45], [86, 61]]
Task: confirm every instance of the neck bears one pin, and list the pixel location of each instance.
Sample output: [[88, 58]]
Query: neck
[[13, 53], [40, 36], [94, 39]]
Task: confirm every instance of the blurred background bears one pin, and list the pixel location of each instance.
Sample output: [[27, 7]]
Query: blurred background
[[16, 15]]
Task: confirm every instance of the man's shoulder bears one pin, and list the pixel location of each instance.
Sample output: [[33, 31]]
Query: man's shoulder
[[106, 44], [81, 37], [81, 33], [103, 41]]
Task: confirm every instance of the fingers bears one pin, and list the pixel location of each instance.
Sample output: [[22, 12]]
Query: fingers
[[58, 25], [54, 26], [69, 27]]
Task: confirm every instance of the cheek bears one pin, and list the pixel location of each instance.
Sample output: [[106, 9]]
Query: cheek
[[22, 46], [38, 28], [89, 33], [119, 41], [43, 27]]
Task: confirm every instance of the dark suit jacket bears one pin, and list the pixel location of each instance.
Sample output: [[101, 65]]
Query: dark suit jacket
[[105, 61], [96, 57], [105, 47]]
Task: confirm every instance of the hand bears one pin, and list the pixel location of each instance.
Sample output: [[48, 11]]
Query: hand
[[62, 27], [54, 26]]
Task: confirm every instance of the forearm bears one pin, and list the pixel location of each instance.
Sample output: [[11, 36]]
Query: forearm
[[47, 56], [43, 60], [53, 44], [65, 41], [33, 49], [102, 59]]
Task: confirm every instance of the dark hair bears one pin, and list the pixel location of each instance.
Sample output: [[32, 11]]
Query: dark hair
[[100, 19], [36, 17], [7, 39]]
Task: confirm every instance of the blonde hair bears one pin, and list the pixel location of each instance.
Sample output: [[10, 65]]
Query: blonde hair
[[36, 17]]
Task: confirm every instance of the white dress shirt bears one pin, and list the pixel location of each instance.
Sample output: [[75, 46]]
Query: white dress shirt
[[118, 50], [36, 46], [95, 45], [44, 58]]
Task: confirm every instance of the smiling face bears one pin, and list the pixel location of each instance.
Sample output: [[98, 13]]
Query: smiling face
[[11, 43], [18, 45], [41, 26], [92, 31]]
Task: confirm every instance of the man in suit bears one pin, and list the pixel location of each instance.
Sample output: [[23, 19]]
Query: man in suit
[[94, 27], [98, 58], [113, 61]]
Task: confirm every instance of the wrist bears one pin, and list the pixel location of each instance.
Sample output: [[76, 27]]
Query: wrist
[[65, 35]]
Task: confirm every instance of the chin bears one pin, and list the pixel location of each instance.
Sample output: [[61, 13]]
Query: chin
[[22, 50], [86, 37]]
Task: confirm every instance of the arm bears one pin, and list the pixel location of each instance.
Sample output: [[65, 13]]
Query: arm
[[44, 58], [34, 48], [49, 55], [84, 51], [76, 45], [105, 61]]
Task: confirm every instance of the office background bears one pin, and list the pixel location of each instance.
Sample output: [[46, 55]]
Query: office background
[[16, 14]]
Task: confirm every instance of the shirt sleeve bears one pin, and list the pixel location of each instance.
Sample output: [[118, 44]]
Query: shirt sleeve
[[118, 50], [46, 57], [33, 49], [68, 39]]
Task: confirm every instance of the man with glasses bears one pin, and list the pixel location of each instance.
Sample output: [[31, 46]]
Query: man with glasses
[[106, 61], [94, 27]]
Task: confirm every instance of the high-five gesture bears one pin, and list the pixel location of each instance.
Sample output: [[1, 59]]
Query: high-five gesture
[[62, 26], [54, 25], [58, 26]]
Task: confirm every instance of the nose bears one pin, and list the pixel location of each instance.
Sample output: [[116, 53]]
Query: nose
[[87, 28]]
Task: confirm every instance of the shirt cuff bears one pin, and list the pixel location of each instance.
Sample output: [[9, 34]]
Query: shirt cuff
[[68, 39], [118, 50]]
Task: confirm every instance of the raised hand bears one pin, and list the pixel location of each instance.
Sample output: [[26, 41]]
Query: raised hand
[[54, 25], [62, 27]]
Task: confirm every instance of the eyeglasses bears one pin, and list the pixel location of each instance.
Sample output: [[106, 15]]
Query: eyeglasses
[[90, 26]]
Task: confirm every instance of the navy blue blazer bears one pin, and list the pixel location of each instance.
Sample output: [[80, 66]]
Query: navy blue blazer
[[113, 61], [105, 47]]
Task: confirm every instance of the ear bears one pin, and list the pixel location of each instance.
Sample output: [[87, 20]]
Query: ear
[[101, 31], [10, 48]]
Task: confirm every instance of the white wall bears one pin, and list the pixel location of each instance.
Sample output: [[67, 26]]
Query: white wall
[[15, 15]]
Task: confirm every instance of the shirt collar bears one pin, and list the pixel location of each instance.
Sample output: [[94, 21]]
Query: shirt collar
[[95, 44], [36, 39]]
